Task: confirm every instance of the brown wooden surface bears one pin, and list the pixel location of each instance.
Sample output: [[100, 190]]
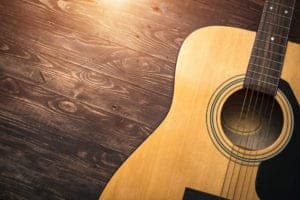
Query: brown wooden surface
[[84, 82]]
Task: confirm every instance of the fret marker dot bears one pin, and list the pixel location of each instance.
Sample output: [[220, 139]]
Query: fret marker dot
[[272, 38], [271, 7], [286, 12]]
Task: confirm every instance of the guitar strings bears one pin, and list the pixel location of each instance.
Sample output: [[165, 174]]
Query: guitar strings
[[247, 140], [253, 143], [238, 126], [252, 117], [260, 113], [231, 158], [257, 95], [237, 146], [265, 136], [272, 106], [273, 101], [232, 150], [264, 132], [269, 118]]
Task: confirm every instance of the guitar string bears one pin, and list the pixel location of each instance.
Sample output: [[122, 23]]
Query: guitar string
[[265, 136], [239, 121], [273, 101], [269, 119], [266, 131], [233, 146], [247, 142], [255, 145], [248, 137], [231, 158], [251, 147], [239, 143]]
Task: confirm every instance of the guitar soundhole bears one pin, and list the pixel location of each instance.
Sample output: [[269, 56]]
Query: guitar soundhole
[[251, 120]]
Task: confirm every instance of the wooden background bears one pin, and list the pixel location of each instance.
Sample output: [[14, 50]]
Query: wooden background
[[84, 82]]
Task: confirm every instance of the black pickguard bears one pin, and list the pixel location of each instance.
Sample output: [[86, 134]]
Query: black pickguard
[[279, 177]]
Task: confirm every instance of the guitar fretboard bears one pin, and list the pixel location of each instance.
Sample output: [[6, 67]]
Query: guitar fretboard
[[265, 65]]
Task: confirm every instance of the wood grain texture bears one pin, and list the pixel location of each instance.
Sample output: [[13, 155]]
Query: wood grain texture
[[84, 82]]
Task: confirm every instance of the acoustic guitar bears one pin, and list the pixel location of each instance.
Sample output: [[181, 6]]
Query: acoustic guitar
[[233, 122]]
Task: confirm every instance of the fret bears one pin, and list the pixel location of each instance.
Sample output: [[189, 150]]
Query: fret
[[264, 75], [276, 20], [283, 5], [277, 25], [269, 27], [279, 6], [260, 57], [262, 81], [265, 67], [268, 37], [256, 56], [269, 49], [273, 34], [261, 60], [277, 15], [268, 53], [270, 42], [262, 86], [288, 2], [255, 64]]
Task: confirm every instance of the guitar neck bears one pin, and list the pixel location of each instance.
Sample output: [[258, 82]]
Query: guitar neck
[[267, 57]]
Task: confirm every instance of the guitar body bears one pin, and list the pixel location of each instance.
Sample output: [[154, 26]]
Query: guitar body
[[181, 153]]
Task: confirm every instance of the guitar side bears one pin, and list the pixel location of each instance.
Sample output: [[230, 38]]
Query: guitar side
[[180, 153]]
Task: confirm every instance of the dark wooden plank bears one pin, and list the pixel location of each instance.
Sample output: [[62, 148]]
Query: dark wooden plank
[[49, 142], [30, 169], [97, 21], [32, 104], [84, 84], [87, 51]]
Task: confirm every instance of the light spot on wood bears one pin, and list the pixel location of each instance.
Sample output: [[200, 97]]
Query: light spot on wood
[[79, 89], [82, 154], [67, 106], [4, 47], [47, 3], [37, 76], [62, 4]]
